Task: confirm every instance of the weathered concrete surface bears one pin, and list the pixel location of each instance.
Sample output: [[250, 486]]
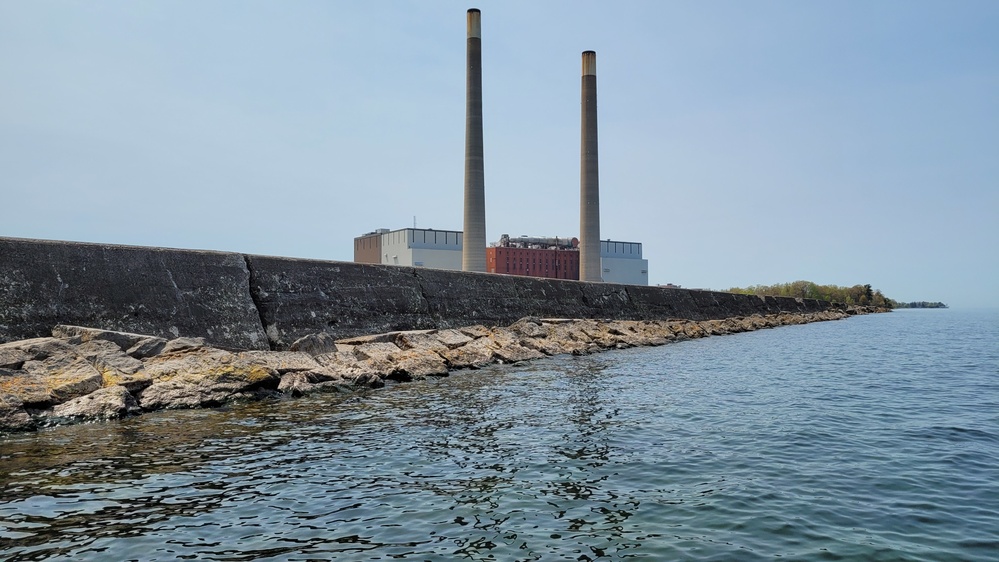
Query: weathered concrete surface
[[300, 297], [239, 301], [154, 291]]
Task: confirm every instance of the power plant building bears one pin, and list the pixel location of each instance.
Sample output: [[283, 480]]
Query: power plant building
[[553, 258], [622, 262], [548, 257], [415, 247]]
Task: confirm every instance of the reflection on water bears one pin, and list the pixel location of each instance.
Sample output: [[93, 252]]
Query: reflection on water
[[805, 442]]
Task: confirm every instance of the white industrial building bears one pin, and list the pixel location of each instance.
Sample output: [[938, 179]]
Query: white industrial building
[[416, 247], [622, 262]]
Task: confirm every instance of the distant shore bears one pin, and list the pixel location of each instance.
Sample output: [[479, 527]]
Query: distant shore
[[82, 374], [919, 304]]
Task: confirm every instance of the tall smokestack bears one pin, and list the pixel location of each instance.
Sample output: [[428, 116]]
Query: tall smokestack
[[473, 252], [589, 178]]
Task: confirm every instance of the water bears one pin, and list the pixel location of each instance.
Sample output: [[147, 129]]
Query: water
[[873, 438]]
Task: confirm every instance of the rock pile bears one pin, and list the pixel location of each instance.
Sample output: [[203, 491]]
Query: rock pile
[[85, 374]]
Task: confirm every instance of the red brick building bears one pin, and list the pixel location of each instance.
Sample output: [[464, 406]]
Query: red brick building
[[534, 257], [533, 262]]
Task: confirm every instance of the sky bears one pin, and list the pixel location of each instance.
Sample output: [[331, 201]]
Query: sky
[[743, 143]]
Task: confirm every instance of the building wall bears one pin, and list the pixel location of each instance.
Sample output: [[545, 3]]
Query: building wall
[[422, 247], [621, 262], [395, 248], [626, 271], [368, 248], [434, 239], [616, 249], [437, 259], [533, 262]]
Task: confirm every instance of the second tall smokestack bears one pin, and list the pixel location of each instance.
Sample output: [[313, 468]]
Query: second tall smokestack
[[589, 177], [473, 250]]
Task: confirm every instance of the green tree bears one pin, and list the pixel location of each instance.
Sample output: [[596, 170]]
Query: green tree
[[857, 294]]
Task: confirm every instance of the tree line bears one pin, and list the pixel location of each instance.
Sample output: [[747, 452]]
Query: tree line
[[857, 294], [918, 304]]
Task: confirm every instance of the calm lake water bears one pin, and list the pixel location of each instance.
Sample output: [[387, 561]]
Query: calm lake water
[[872, 438]]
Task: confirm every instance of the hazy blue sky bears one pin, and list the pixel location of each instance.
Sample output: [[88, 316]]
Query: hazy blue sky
[[742, 142]]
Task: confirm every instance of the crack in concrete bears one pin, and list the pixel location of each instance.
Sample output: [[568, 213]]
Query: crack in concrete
[[255, 299], [423, 293]]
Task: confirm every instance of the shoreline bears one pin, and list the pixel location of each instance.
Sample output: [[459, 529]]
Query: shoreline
[[83, 375]]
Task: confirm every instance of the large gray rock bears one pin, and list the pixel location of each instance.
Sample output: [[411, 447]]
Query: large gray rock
[[508, 347], [182, 344], [300, 383], [530, 327], [13, 417], [26, 388], [422, 340], [108, 358], [115, 366], [453, 338], [378, 351], [314, 344], [127, 342], [475, 354], [52, 372], [417, 364], [175, 395], [203, 376], [564, 337], [283, 361], [104, 404], [346, 366], [35, 349], [12, 356]]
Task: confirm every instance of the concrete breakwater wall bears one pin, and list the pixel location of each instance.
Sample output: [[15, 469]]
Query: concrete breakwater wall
[[240, 301]]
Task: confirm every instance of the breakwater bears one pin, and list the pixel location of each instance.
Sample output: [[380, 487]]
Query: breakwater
[[84, 374], [249, 302]]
